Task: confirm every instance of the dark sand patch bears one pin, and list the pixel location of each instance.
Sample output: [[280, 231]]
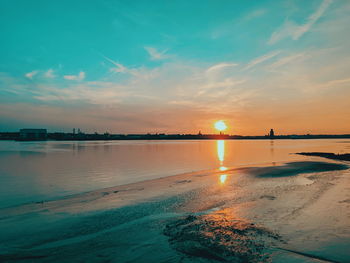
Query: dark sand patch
[[295, 168], [269, 197], [221, 236], [23, 258], [183, 181]]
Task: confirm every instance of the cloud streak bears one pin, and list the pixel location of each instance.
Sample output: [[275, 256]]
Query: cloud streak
[[286, 60], [294, 31], [79, 77], [155, 54], [261, 59], [50, 74], [192, 97], [220, 66], [31, 74], [120, 68]]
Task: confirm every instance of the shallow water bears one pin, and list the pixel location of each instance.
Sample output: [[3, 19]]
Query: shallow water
[[272, 206], [200, 224], [35, 171]]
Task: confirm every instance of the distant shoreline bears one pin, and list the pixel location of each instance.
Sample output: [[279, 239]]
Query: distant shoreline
[[60, 136]]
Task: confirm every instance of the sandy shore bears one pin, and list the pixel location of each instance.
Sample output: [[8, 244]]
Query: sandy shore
[[292, 212]]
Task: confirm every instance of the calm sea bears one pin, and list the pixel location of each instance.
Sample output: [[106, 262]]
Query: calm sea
[[35, 171]]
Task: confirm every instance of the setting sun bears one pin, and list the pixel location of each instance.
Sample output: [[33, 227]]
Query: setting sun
[[220, 125]]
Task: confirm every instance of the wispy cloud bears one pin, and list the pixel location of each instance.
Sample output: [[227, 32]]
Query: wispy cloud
[[334, 83], [288, 59], [49, 74], [261, 59], [79, 77], [234, 24], [105, 93], [220, 66], [155, 54], [41, 73], [219, 88], [120, 68], [31, 74], [189, 96], [295, 31], [254, 14]]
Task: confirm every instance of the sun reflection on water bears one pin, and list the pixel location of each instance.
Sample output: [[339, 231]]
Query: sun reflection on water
[[223, 178], [221, 156], [221, 150]]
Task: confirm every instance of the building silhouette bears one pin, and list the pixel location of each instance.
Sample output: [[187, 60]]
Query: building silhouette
[[272, 133], [32, 134]]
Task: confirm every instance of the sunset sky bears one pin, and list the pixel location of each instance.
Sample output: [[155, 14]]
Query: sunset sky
[[175, 66]]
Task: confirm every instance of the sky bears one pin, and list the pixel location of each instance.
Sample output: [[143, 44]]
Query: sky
[[175, 66]]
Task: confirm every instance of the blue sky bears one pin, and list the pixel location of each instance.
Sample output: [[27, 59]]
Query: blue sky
[[175, 66]]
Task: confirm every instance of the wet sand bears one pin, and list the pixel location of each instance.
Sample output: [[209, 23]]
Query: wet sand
[[287, 212]]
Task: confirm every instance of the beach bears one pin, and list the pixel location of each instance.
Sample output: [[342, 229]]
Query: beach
[[283, 212], [174, 131]]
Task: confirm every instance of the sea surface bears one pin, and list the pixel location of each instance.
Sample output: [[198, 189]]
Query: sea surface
[[37, 171]]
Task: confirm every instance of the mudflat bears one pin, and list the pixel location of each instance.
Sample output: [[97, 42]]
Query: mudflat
[[287, 212]]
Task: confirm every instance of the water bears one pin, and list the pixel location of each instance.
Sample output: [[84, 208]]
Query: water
[[35, 171]]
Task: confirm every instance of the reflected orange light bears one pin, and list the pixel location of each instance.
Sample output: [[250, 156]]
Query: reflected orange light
[[223, 178], [221, 150], [221, 156], [223, 168]]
